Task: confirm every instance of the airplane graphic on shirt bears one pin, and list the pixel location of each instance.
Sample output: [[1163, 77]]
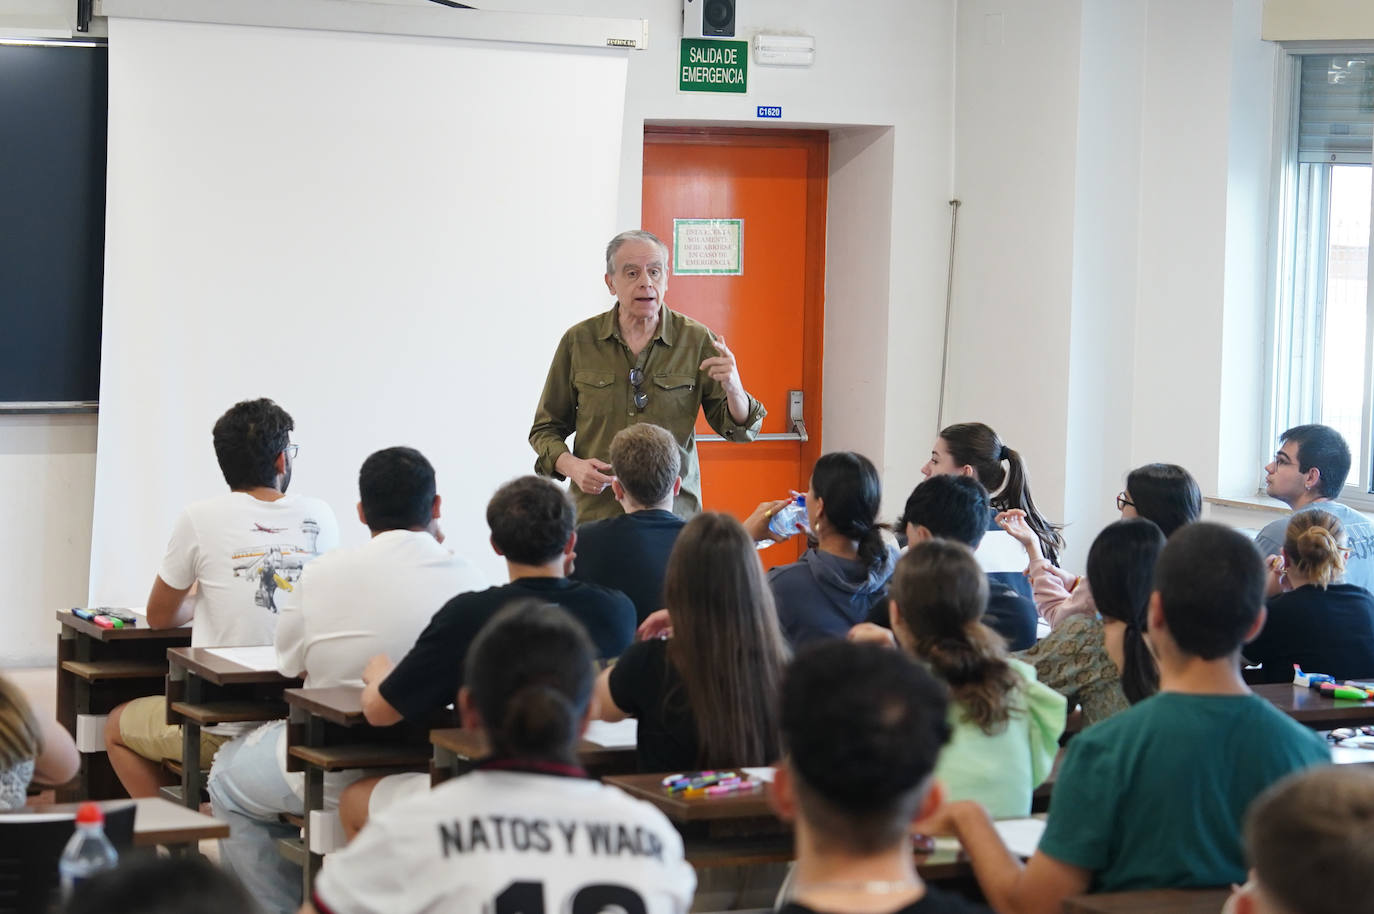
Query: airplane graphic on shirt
[[276, 566]]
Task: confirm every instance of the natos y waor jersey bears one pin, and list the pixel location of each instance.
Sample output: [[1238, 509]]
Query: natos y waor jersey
[[503, 841]]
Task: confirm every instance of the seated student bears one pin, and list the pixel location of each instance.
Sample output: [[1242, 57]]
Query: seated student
[[32, 748], [704, 697], [234, 548], [1161, 492], [1153, 797], [862, 728], [531, 521], [956, 508], [839, 580], [1307, 839], [1309, 470], [1005, 724], [629, 553], [161, 885], [973, 449], [348, 606], [1102, 662], [526, 831], [1321, 624]]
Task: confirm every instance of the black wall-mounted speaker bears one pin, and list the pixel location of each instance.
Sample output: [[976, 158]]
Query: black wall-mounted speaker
[[708, 18]]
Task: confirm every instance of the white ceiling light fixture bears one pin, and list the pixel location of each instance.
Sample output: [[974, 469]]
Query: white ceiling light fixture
[[784, 50]]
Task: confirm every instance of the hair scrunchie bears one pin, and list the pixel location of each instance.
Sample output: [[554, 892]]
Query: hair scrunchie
[[1004, 453]]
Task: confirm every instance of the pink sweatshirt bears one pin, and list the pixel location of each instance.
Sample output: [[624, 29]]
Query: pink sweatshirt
[[1058, 594]]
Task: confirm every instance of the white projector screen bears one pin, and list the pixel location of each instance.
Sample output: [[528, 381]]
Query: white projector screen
[[385, 235]]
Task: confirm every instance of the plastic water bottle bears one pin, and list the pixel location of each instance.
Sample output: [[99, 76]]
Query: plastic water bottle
[[88, 852], [787, 521]]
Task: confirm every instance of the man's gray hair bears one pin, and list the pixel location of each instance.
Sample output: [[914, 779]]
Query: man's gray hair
[[632, 235]]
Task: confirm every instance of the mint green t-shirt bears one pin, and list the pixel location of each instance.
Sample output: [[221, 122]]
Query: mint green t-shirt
[[1154, 797]]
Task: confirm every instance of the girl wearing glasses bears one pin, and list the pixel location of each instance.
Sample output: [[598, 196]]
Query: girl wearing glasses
[[1315, 620], [1161, 492]]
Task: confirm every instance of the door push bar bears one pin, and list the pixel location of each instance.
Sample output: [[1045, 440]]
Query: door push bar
[[795, 403]]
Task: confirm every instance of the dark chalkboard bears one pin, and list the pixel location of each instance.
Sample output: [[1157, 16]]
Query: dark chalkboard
[[53, 115]]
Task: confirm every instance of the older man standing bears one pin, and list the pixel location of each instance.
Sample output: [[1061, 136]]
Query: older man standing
[[638, 362]]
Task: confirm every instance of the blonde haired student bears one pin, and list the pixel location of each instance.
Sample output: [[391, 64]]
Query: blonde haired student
[[1316, 620], [31, 748], [1307, 840]]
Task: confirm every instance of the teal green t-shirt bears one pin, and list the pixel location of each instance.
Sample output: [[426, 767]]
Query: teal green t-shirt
[[1154, 796]]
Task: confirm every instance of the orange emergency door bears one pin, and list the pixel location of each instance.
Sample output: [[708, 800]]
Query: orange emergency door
[[772, 313]]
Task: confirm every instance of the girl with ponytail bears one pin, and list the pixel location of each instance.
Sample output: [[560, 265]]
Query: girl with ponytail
[[1103, 664], [844, 575], [1315, 619], [973, 449], [1005, 724], [514, 832]]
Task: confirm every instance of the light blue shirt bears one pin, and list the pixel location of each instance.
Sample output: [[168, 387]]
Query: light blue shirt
[[1359, 533]]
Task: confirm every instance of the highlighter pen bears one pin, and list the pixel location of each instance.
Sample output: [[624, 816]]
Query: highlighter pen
[[83, 613], [107, 622], [1345, 692]]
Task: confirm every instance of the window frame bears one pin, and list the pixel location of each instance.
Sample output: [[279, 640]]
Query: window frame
[[1283, 249]]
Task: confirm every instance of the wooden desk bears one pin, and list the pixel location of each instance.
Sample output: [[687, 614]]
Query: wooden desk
[[205, 689], [328, 732], [1315, 710], [741, 829], [1156, 901], [457, 750], [97, 670], [156, 822]]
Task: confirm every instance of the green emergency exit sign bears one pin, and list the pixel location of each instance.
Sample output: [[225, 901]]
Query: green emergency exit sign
[[709, 65]]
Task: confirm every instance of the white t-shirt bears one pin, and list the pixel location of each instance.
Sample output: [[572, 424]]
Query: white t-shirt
[[509, 841], [242, 552], [355, 603]]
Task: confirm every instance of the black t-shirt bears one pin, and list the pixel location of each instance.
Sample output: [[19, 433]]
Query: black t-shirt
[[646, 686], [934, 901], [428, 677], [1323, 631], [630, 554], [1009, 614]]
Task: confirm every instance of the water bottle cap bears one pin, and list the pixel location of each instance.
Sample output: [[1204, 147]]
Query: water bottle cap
[[89, 814], [801, 501]]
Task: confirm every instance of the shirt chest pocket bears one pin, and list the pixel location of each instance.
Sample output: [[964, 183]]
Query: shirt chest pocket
[[593, 388], [676, 392]]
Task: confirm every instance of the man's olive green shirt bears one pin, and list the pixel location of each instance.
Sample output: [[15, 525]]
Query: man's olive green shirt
[[588, 395]]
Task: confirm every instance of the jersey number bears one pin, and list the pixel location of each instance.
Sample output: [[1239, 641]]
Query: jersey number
[[528, 898]]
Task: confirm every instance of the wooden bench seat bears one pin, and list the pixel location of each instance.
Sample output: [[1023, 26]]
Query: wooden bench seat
[[225, 712], [365, 755], [105, 670]]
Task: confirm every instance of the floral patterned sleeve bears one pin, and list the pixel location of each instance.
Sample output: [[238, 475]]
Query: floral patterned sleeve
[[1072, 660]]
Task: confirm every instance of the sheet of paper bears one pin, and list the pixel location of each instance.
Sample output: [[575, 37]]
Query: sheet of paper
[[759, 774], [257, 657], [622, 734], [1021, 836], [999, 552], [142, 613]]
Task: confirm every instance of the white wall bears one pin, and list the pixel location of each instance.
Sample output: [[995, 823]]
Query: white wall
[[883, 79], [1102, 367], [47, 477], [1108, 292], [1016, 128], [1116, 289]]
